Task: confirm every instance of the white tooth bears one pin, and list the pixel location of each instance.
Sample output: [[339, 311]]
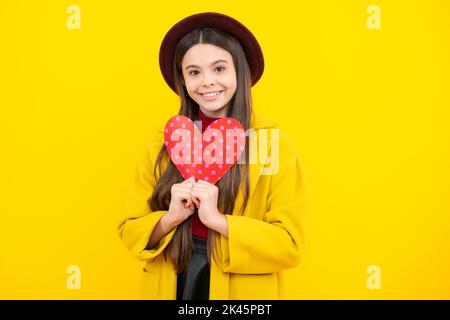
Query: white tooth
[[210, 94]]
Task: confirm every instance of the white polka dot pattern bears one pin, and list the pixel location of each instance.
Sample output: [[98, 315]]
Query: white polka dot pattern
[[206, 156]]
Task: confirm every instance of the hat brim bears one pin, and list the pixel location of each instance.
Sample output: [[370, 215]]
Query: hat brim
[[247, 40]]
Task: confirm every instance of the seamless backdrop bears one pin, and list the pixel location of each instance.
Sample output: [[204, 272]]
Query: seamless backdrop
[[361, 87]]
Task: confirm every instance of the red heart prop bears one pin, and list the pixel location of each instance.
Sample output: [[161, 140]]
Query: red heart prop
[[206, 156]]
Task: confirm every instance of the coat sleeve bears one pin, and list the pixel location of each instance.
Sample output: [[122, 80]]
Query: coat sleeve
[[138, 221], [276, 242]]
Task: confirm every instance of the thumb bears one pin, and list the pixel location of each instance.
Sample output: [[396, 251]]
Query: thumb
[[191, 179]]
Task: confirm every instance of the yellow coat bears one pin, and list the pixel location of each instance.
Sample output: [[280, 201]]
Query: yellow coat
[[267, 239]]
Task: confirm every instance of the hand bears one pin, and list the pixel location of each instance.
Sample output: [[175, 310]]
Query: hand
[[181, 205], [205, 195]]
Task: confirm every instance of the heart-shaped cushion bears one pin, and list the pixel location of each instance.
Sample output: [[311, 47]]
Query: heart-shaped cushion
[[206, 156]]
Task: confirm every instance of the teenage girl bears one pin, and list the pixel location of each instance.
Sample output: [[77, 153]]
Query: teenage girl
[[251, 222]]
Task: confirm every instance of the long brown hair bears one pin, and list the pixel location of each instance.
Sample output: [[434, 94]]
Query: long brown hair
[[237, 178]]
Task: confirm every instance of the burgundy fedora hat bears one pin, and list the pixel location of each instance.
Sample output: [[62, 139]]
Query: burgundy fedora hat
[[247, 40]]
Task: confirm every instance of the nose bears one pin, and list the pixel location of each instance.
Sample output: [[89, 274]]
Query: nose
[[208, 80]]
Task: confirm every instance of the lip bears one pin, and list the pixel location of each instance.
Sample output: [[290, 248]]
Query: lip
[[213, 97]]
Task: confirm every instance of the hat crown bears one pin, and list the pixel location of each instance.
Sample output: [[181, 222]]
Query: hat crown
[[226, 23]]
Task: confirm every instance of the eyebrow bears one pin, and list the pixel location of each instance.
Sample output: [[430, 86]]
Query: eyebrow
[[215, 62]]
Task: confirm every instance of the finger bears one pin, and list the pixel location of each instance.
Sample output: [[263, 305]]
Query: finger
[[202, 186], [185, 184], [185, 187], [203, 182], [189, 202], [195, 199], [190, 206], [198, 193], [190, 180], [202, 189], [179, 189], [183, 195]]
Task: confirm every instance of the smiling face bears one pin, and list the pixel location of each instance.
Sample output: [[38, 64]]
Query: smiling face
[[210, 78]]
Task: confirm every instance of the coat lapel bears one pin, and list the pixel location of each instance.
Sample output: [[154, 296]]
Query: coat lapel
[[256, 163]]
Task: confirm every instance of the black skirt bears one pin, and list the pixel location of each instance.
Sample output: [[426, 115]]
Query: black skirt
[[194, 284]]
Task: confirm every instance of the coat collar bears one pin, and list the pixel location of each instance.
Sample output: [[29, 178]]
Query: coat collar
[[259, 122]]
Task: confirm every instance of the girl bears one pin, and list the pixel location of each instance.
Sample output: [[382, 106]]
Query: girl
[[232, 240]]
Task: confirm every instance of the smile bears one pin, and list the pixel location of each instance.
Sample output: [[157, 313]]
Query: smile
[[210, 95]]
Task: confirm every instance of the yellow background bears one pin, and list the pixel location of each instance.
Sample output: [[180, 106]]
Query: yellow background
[[367, 109]]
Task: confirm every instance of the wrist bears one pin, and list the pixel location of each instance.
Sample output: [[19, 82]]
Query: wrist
[[214, 220], [168, 222], [220, 224]]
